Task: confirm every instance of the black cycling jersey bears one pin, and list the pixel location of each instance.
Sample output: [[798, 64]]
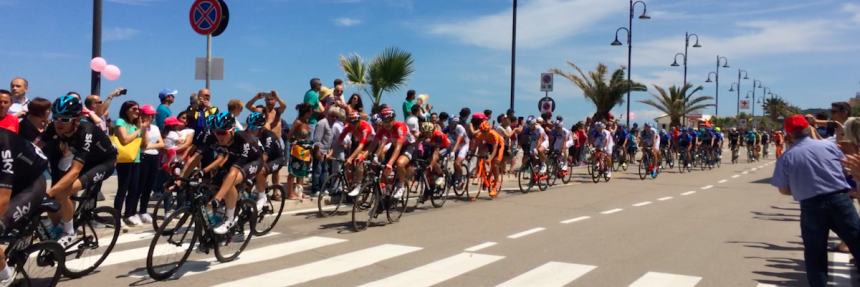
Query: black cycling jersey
[[206, 145], [28, 131], [89, 145], [733, 138], [271, 145], [22, 162], [243, 150]]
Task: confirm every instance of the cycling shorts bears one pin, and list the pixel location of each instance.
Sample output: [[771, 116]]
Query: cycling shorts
[[23, 204], [462, 152], [92, 175], [248, 170], [275, 165]]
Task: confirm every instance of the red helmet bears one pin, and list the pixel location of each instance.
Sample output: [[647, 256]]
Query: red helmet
[[386, 113]]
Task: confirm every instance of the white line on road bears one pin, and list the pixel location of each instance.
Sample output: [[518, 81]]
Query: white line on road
[[572, 220], [129, 255], [753, 169], [550, 274], [840, 269], [736, 176], [438, 271], [689, 192], [654, 279], [745, 172], [723, 181], [327, 267], [128, 238], [526, 233], [665, 198], [765, 285], [480, 246], [707, 187], [611, 211], [644, 203]]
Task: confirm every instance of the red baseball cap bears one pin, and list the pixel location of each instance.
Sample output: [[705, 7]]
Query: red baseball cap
[[795, 123]]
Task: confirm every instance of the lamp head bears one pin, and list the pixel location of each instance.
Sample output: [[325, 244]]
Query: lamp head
[[616, 42], [675, 63]]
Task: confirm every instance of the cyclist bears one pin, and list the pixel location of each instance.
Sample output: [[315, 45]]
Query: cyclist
[[694, 143], [562, 140], [778, 140], [765, 140], [361, 134], [706, 141], [603, 145], [80, 155], [399, 151], [538, 141], [665, 142], [718, 137], [238, 158], [460, 136], [504, 129], [432, 144], [734, 141], [272, 154], [650, 143], [22, 187], [685, 144], [632, 142], [621, 137], [751, 140]]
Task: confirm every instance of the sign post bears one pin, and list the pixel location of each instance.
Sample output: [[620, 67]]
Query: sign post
[[209, 18], [546, 104]]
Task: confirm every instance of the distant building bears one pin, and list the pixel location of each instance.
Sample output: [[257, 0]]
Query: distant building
[[664, 120]]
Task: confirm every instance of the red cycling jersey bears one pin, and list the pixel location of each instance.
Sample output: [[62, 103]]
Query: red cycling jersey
[[397, 132], [439, 140], [360, 133]]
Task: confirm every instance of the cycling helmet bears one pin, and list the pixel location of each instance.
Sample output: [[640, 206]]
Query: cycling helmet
[[600, 125], [222, 121], [455, 119], [479, 116], [66, 107], [647, 125], [427, 127], [255, 120], [531, 121], [354, 117], [386, 113], [485, 126], [539, 120], [717, 129]]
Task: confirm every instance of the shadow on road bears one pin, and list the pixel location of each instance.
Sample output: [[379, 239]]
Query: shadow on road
[[794, 273]]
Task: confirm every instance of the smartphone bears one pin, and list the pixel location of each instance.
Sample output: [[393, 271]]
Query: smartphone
[[123, 91]]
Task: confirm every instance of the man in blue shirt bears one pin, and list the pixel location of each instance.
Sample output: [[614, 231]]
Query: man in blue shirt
[[166, 97], [811, 172]]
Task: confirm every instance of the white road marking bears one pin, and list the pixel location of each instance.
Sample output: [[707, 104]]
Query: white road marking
[[480, 246], [526, 233], [611, 211], [572, 220], [129, 255], [438, 271], [840, 269], [550, 274], [665, 198], [723, 181], [657, 279], [644, 203], [745, 172], [327, 267], [128, 238], [707, 187], [689, 192], [765, 285], [736, 176], [753, 169]]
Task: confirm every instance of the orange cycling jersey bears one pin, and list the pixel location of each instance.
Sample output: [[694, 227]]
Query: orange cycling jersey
[[489, 138]]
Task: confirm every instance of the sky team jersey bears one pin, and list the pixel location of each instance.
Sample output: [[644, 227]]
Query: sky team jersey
[[647, 138], [22, 162], [243, 150], [271, 144], [360, 133], [397, 132], [89, 145]]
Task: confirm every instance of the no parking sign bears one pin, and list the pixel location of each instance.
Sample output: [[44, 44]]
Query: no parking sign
[[208, 17]]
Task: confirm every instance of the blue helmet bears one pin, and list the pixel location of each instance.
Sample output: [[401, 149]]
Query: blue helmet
[[221, 121], [66, 107], [255, 120]]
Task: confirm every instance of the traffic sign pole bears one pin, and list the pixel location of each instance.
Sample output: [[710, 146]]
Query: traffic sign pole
[[208, 59]]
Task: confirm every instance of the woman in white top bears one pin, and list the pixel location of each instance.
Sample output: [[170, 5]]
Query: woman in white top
[[149, 162]]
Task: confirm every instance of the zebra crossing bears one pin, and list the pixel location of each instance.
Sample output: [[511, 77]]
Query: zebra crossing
[[435, 272]]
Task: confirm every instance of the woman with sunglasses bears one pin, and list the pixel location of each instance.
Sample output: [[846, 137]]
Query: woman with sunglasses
[[272, 154], [92, 160], [239, 155], [300, 151], [129, 127]]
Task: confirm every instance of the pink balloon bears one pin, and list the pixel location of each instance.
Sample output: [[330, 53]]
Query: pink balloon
[[111, 72], [98, 64]]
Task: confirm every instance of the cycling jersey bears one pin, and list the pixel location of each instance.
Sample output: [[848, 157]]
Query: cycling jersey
[[664, 139], [560, 138], [707, 136], [631, 142], [684, 140], [534, 134], [488, 139], [647, 138], [397, 132], [438, 140], [359, 133], [273, 149], [455, 131], [620, 135], [604, 140], [89, 145], [750, 137], [733, 138], [22, 163], [765, 138]]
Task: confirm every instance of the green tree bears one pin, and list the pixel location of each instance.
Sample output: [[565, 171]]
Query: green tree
[[387, 72], [675, 104], [776, 108], [604, 94]]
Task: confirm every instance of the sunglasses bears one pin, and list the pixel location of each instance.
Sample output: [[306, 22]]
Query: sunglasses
[[221, 133], [64, 120]]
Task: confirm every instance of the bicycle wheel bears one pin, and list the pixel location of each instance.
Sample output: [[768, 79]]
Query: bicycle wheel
[[396, 206], [337, 193], [481, 177], [461, 181], [268, 217], [524, 179], [439, 196], [231, 244], [172, 244], [163, 207], [97, 232], [364, 209], [552, 172], [542, 180], [595, 174], [419, 187], [567, 175], [643, 167], [39, 264]]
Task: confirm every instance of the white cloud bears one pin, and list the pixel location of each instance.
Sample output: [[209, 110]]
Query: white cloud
[[539, 23], [347, 22], [853, 9], [135, 2], [119, 34]]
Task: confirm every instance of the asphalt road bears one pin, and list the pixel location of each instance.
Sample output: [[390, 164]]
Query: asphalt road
[[723, 227]]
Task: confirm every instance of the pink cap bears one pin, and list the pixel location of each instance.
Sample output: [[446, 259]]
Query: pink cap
[[172, 121], [147, 110]]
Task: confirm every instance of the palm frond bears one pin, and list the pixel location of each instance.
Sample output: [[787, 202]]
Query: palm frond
[[389, 71]]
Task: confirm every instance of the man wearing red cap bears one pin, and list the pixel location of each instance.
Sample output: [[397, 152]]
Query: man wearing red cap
[[811, 172]]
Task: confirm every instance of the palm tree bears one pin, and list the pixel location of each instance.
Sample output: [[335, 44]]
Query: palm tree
[[775, 108], [605, 95], [672, 102], [386, 73]]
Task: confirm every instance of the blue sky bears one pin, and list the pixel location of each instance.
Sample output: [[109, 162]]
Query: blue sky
[[806, 51]]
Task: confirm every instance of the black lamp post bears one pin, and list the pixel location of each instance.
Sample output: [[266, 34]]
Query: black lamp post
[[745, 77], [756, 84], [513, 53], [686, 53], [716, 73], [629, 30]]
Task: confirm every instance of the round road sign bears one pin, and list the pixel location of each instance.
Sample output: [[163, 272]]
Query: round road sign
[[205, 16], [225, 19]]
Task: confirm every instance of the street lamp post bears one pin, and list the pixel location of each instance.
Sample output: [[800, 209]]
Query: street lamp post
[[716, 73], [745, 77], [686, 53], [95, 77], [629, 30], [513, 53], [756, 84]]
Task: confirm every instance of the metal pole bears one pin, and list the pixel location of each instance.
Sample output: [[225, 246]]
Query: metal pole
[[629, 61], [208, 59], [686, 50], [717, 99], [513, 53], [95, 77], [739, 94], [753, 101]]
